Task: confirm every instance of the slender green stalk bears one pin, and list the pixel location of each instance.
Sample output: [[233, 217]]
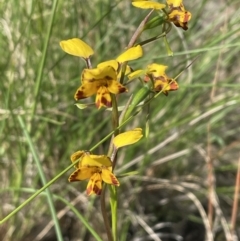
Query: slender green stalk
[[115, 123], [104, 214], [114, 205], [43, 59], [113, 190], [169, 51], [43, 178]]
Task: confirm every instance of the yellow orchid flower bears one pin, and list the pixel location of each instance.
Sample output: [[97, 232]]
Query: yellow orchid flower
[[156, 72], [180, 18], [178, 15], [96, 168], [77, 47], [102, 82], [148, 5], [161, 81]]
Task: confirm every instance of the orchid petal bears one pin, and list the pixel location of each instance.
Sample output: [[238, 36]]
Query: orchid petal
[[148, 5], [108, 177], [130, 54], [77, 47], [95, 184], [82, 173], [128, 138]]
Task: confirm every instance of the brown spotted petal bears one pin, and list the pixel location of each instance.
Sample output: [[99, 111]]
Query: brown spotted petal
[[165, 84], [108, 177], [180, 18], [103, 97], [82, 173], [116, 88], [95, 184]]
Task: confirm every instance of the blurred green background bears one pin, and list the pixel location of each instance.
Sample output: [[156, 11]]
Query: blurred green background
[[192, 127]]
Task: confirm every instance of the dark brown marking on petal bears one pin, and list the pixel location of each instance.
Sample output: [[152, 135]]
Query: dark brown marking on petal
[[184, 26], [89, 190], [73, 176], [122, 89], [91, 80], [114, 180], [106, 102], [96, 189], [108, 77], [79, 95], [162, 78], [159, 87]]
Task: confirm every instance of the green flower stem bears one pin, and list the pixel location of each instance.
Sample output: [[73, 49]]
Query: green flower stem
[[169, 51], [166, 29], [114, 205], [147, 41], [104, 214], [43, 179], [115, 122], [43, 59]]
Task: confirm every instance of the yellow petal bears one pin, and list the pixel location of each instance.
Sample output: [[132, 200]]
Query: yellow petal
[[112, 63], [82, 173], [108, 177], [104, 74], [130, 54], [116, 88], [148, 4], [103, 97], [156, 69], [95, 184], [77, 47], [95, 160], [76, 155], [127, 138], [174, 3], [86, 89]]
